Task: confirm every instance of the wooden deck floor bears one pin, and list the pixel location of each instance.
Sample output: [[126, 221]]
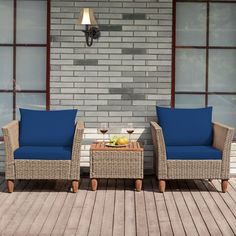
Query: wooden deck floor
[[186, 208]]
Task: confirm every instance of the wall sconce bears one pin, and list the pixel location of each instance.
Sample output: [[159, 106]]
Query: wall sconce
[[87, 18]]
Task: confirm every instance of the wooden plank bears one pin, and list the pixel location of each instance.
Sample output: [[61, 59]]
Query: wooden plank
[[193, 208], [26, 223], [63, 217], [6, 198], [207, 219], [108, 215], [119, 213], [173, 213], [130, 226], [162, 214], [12, 203], [75, 215], [23, 209], [226, 197], [87, 212], [55, 210], [96, 221], [45, 210], [225, 211], [231, 190], [141, 217], [152, 220], [4, 195], [215, 211], [184, 213], [200, 207]]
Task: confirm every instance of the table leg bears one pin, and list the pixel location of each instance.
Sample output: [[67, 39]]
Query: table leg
[[138, 184], [94, 184]]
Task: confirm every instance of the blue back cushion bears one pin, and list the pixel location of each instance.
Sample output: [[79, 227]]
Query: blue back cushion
[[187, 127], [47, 128]]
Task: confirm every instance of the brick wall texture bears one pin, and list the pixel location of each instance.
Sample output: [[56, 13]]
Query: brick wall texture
[[122, 77]]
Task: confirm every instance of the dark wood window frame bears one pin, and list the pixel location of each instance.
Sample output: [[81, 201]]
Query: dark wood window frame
[[206, 47], [14, 45]]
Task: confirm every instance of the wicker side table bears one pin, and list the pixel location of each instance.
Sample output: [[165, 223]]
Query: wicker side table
[[117, 163]]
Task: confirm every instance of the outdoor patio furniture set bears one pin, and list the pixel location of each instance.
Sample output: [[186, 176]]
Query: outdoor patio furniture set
[[187, 145]]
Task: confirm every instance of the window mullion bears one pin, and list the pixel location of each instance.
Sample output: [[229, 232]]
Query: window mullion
[[14, 61], [207, 53]]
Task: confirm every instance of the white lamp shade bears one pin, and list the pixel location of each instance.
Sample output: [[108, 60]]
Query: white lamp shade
[[86, 17]]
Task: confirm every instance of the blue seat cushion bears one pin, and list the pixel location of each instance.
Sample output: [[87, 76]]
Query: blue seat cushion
[[193, 153], [186, 127], [47, 128], [43, 153]]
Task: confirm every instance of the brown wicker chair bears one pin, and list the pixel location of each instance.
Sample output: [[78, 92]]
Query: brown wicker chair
[[40, 169], [193, 169]]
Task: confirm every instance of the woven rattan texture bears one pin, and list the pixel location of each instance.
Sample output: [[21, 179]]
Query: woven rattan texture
[[37, 169], [40, 169], [202, 169], [193, 169], [115, 163]]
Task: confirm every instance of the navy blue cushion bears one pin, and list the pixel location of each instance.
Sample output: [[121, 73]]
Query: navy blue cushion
[[193, 153], [47, 128], [186, 127], [43, 153]]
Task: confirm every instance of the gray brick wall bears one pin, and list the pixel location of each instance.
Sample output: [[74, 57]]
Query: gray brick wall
[[123, 76]]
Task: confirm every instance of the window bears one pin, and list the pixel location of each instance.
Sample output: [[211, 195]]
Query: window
[[204, 57], [24, 56]]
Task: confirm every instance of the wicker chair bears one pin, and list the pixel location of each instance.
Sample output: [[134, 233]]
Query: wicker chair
[[40, 169], [166, 169]]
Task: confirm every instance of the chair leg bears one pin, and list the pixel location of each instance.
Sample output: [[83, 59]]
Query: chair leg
[[162, 185], [94, 184], [10, 185], [138, 185], [224, 185], [75, 186]]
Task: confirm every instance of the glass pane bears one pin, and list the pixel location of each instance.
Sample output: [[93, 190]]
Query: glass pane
[[222, 70], [222, 31], [6, 111], [224, 109], [31, 22], [31, 68], [36, 101], [190, 70], [189, 101], [6, 21], [191, 24], [6, 67]]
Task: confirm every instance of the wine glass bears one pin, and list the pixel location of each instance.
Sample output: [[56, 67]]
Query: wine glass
[[130, 130], [103, 130]]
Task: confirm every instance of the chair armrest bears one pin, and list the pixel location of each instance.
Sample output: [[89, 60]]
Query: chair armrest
[[78, 136], [11, 139], [160, 165], [222, 139], [76, 149]]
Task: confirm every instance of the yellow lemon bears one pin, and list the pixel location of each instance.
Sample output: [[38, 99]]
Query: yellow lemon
[[122, 141]]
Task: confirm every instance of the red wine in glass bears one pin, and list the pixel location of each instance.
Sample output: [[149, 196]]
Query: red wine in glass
[[103, 130], [130, 130]]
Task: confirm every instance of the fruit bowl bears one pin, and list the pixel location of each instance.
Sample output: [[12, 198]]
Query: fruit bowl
[[115, 145], [116, 141]]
